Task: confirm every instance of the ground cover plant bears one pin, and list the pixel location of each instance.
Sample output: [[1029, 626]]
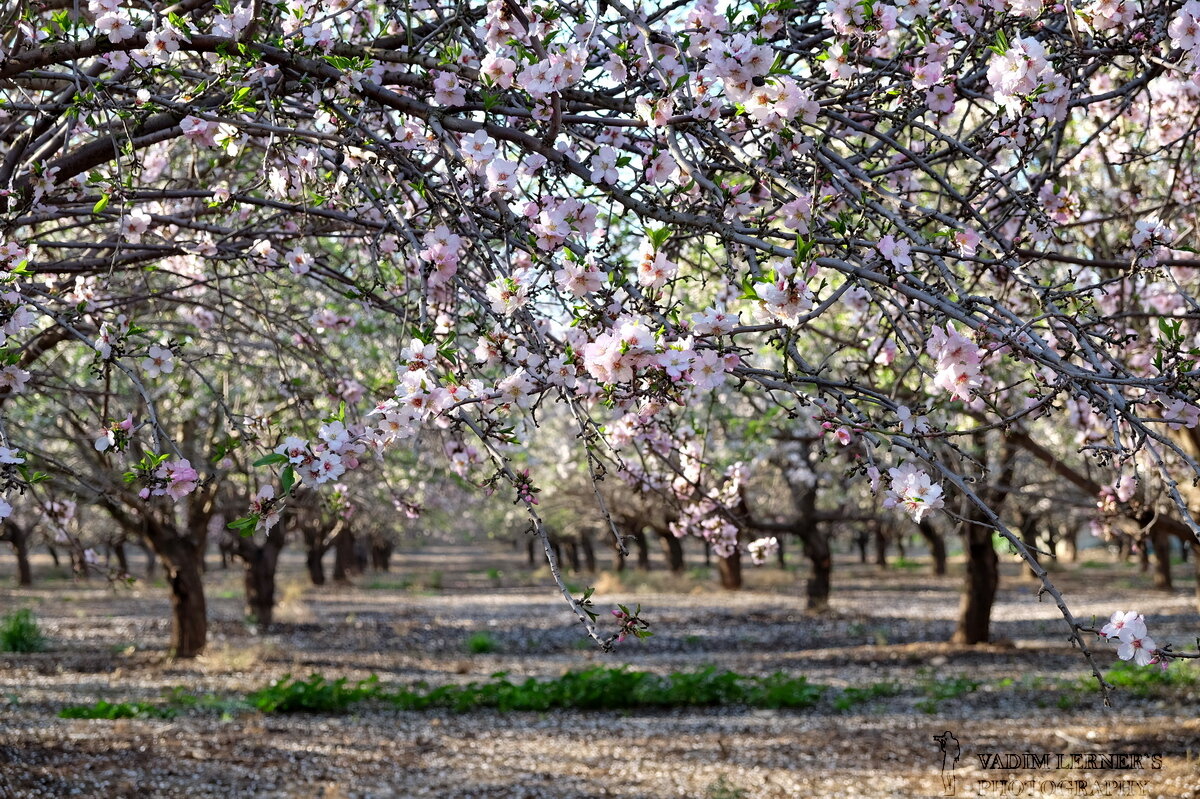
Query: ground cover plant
[[19, 632]]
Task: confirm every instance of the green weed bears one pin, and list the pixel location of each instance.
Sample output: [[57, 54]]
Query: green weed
[[19, 632], [1151, 681], [855, 695], [721, 789], [596, 688], [121, 710], [939, 690], [314, 695], [481, 643]]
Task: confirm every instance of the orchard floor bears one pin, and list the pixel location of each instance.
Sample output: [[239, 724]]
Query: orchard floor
[[1023, 695]]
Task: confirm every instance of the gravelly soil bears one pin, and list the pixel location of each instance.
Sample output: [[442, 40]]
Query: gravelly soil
[[883, 628]]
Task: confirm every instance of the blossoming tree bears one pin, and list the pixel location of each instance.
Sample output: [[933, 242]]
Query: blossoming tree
[[925, 227]]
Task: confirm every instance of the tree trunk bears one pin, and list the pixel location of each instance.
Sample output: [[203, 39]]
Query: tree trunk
[[189, 614], [259, 578], [343, 556], [316, 569], [983, 565], [78, 564], [1195, 547], [572, 555], [1029, 527], [881, 543], [816, 549], [122, 559], [1162, 557], [979, 590], [18, 536], [862, 540], [182, 553], [589, 551], [643, 550], [381, 555], [672, 549], [151, 562], [730, 569], [937, 546]]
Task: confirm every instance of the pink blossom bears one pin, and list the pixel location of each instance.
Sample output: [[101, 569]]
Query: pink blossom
[[895, 252], [912, 490]]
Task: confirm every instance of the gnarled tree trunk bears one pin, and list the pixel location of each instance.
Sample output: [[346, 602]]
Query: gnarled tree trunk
[[643, 550], [983, 566], [18, 536], [589, 550], [316, 569], [1029, 527], [182, 554], [261, 561], [1195, 547], [189, 612], [937, 546], [730, 569], [1161, 541], [381, 553], [344, 560], [816, 549], [672, 549], [979, 590], [881, 543]]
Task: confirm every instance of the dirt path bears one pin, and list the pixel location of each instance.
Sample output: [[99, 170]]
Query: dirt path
[[1023, 696]]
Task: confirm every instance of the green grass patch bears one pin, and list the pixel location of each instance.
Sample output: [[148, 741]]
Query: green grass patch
[[1151, 681], [942, 689], [314, 695], [596, 688], [591, 689], [857, 695], [121, 710], [19, 632], [480, 643]]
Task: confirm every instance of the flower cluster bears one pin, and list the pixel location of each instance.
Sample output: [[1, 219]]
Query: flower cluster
[[913, 490], [1022, 75], [958, 362], [175, 479], [116, 436], [1128, 629], [762, 548], [328, 459]]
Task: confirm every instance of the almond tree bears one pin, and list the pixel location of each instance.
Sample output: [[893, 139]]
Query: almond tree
[[977, 214]]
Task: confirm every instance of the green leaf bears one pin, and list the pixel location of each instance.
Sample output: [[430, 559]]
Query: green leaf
[[340, 416], [245, 525], [658, 236], [101, 204], [275, 457], [288, 478]]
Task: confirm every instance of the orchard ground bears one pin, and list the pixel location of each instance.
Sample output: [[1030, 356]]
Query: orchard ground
[[452, 614]]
